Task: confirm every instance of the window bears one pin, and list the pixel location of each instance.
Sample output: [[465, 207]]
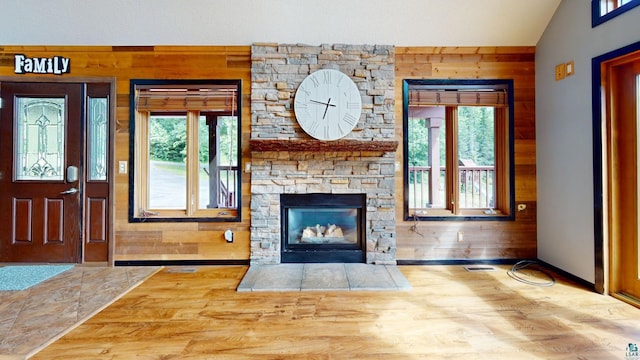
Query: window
[[458, 149], [185, 149], [603, 10]]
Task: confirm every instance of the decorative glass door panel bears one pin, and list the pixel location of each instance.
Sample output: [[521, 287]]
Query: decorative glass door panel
[[40, 138], [97, 121]]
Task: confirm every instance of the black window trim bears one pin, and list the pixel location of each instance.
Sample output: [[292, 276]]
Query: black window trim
[[451, 83], [132, 138]]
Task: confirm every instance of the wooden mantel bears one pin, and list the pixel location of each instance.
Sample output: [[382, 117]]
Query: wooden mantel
[[317, 145]]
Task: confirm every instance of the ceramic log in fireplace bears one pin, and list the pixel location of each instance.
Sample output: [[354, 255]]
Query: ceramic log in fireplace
[[323, 228]]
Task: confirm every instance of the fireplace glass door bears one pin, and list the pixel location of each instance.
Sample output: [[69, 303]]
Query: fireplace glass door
[[332, 226], [322, 227]]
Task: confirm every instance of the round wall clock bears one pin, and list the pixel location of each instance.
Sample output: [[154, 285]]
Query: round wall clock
[[327, 104]]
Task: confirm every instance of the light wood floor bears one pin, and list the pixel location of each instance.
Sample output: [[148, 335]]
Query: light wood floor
[[448, 314]]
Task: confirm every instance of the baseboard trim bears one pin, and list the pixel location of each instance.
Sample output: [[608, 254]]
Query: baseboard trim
[[568, 276], [461, 262], [578, 280], [179, 262]]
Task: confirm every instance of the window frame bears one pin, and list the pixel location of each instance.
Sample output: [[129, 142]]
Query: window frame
[[596, 7], [508, 175], [137, 157]]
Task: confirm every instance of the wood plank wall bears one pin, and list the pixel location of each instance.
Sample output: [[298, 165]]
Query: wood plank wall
[[157, 241], [435, 240], [204, 241]]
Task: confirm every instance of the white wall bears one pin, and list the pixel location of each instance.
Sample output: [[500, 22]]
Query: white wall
[[243, 22], [564, 132]]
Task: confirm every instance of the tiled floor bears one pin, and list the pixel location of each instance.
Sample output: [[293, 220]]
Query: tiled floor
[[35, 317], [323, 277]]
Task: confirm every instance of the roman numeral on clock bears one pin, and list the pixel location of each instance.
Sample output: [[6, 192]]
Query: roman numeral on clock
[[327, 77], [313, 127], [326, 131], [315, 81], [305, 91], [352, 105], [349, 119]]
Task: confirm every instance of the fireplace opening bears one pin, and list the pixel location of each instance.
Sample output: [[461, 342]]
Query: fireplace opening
[[322, 228]]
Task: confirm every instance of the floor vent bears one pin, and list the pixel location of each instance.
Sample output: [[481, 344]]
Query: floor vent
[[480, 268]]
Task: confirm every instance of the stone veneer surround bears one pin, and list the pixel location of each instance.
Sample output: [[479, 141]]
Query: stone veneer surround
[[276, 72]]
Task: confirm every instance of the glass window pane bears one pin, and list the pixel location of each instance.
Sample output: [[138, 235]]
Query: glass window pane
[[206, 161], [228, 145], [167, 162], [97, 142], [191, 128], [218, 170], [40, 138], [427, 158], [476, 156]]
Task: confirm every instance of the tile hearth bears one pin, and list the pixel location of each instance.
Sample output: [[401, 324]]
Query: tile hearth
[[323, 277]]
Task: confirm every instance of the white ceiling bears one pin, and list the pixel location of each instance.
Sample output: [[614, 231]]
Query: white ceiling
[[243, 22]]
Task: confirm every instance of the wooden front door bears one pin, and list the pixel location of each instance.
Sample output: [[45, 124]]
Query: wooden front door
[[44, 175]]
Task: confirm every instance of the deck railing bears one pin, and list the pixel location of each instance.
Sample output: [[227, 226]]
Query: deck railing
[[228, 175], [476, 187]]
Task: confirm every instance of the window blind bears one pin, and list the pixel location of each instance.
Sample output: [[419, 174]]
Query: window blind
[[184, 98], [428, 97]]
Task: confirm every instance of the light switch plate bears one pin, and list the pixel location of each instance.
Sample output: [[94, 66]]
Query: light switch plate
[[560, 69], [570, 68], [122, 167]]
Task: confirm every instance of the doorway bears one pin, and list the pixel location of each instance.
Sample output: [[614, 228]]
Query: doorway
[[54, 172], [621, 79]]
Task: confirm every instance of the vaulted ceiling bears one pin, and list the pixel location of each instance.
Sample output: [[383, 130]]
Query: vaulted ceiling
[[242, 22]]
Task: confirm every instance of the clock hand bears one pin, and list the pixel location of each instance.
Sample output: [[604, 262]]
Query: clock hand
[[323, 103], [326, 108]]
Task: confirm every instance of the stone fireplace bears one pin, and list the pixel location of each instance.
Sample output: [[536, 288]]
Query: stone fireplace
[[285, 161]]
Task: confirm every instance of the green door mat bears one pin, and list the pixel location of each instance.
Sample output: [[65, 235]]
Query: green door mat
[[21, 277]]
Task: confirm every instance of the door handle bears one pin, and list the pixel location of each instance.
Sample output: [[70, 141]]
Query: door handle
[[69, 191]]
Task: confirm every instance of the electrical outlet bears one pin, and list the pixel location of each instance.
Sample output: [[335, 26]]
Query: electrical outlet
[[460, 236], [228, 236]]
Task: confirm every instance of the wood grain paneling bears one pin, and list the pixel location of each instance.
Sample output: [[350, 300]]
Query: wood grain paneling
[[157, 241], [438, 240]]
